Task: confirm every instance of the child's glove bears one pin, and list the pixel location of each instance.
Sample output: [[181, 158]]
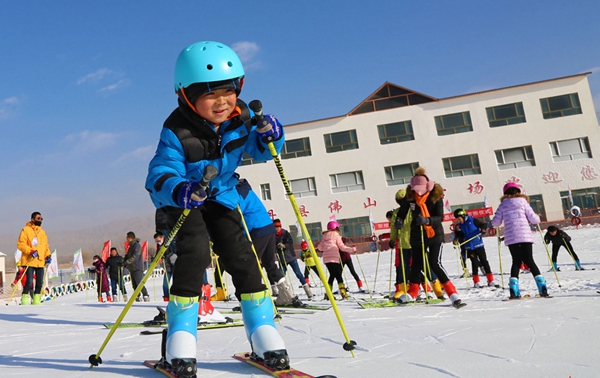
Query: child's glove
[[421, 220], [190, 195], [392, 244], [269, 129], [34, 254]]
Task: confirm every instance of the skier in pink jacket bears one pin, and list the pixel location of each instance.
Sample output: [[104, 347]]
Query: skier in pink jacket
[[517, 215], [330, 246]]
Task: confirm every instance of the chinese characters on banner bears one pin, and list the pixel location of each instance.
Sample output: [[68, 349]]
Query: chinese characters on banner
[[475, 213]]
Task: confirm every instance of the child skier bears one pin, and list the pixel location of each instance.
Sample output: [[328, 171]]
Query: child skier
[[330, 245], [102, 284], [309, 262], [515, 212], [211, 128], [400, 240], [424, 199], [560, 238], [346, 260], [471, 229]]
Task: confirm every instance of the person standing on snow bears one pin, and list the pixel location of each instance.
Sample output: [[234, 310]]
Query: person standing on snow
[[331, 245], [135, 264], [101, 279], [287, 255], [114, 265], [517, 215], [424, 199], [560, 238], [211, 129], [469, 228], [35, 255]]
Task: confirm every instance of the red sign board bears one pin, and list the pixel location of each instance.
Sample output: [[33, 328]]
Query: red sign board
[[382, 226], [475, 213]]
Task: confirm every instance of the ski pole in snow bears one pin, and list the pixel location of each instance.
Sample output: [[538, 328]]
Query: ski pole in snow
[[425, 264], [569, 250], [260, 268], [500, 256], [256, 107], [209, 173], [549, 258]]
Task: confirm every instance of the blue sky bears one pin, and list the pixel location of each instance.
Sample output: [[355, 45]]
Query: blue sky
[[86, 86]]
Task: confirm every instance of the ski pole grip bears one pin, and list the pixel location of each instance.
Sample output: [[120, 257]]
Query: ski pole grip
[[210, 172], [258, 119]]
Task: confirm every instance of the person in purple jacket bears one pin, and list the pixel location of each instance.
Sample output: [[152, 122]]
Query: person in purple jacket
[[515, 212]]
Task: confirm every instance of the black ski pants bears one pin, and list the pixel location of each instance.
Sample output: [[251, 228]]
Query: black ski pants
[[433, 254], [568, 246], [522, 252], [39, 280], [224, 228], [478, 258]]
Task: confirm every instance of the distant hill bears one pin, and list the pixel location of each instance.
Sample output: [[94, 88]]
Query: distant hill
[[90, 240]]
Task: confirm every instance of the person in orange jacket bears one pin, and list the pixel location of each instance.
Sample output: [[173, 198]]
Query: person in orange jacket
[[35, 255]]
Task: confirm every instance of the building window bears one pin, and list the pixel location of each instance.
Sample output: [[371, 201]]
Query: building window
[[303, 187], [265, 192], [346, 182], [453, 123], [588, 200], [314, 230], [560, 106], [537, 204], [400, 174], [395, 132], [355, 227], [571, 149], [515, 158], [342, 141], [506, 114], [248, 160], [296, 148], [465, 165]]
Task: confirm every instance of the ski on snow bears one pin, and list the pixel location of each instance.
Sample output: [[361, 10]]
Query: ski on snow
[[289, 373], [229, 322], [201, 326], [282, 311], [526, 296], [245, 357], [388, 303]]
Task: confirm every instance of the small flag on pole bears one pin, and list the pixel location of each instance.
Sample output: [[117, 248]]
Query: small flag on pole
[[53, 267], [447, 206], [106, 251], [77, 263], [570, 196], [145, 250]]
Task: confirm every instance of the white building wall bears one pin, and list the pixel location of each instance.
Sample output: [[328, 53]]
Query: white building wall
[[428, 149]]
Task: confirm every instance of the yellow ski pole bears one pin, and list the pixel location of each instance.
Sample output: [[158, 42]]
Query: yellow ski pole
[[260, 268], [256, 107], [209, 173], [425, 263]]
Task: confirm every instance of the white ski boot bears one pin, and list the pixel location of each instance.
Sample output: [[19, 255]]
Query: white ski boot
[[267, 345]]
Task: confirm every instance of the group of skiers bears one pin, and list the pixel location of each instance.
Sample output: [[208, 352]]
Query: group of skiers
[[192, 181]]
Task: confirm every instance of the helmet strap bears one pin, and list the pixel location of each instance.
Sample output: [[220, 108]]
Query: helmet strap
[[187, 101]]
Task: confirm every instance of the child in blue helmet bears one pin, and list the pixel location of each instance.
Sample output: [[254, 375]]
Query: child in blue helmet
[[209, 131]]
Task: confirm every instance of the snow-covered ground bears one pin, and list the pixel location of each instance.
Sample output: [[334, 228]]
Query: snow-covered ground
[[555, 337]]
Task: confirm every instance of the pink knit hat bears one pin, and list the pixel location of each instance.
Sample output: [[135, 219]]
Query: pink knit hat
[[420, 183]]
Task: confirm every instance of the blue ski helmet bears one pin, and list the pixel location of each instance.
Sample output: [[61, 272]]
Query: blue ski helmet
[[206, 62]]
